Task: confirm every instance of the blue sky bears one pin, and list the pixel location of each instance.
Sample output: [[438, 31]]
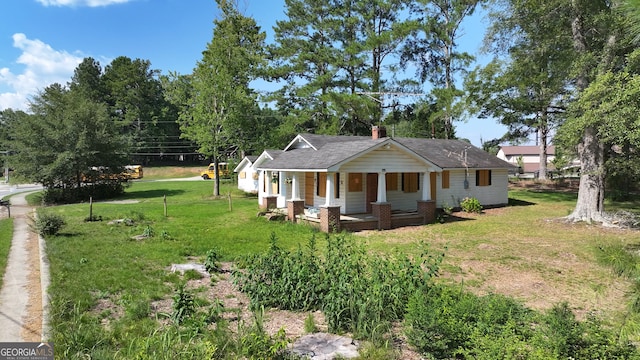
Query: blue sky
[[42, 42]]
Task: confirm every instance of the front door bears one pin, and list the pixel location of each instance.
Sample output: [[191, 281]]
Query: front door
[[433, 185], [309, 188], [372, 190]]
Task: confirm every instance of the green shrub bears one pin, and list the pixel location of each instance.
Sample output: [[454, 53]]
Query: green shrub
[[49, 224], [444, 321], [183, 305], [471, 205], [148, 232], [310, 326], [211, 263]]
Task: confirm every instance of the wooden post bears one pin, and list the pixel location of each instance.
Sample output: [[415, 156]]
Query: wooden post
[[230, 204], [90, 208], [165, 206]]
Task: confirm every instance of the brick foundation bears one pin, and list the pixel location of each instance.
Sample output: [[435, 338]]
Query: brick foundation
[[294, 208], [330, 219], [427, 208], [269, 202], [382, 211]]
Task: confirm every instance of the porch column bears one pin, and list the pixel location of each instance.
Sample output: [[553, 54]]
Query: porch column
[[270, 201], [282, 187], [267, 182], [329, 196], [382, 187], [295, 193], [426, 186]]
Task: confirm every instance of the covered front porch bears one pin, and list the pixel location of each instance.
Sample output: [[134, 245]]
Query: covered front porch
[[358, 222], [329, 218]]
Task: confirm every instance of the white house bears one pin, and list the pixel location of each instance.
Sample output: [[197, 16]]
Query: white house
[[527, 158], [247, 174], [348, 175]]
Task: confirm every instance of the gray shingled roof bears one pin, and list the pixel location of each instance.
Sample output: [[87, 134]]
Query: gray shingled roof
[[449, 154], [332, 150], [329, 153], [318, 141]]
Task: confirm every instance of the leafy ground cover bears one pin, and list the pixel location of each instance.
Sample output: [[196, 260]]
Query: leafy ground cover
[[108, 289]]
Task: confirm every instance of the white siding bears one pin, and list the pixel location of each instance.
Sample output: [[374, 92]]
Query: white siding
[[391, 160], [354, 201], [248, 184], [496, 194], [401, 200]]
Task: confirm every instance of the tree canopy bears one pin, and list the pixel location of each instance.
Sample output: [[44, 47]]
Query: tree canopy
[[221, 104]]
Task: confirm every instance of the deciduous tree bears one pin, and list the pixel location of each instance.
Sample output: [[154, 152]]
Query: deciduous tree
[[222, 100], [64, 136]]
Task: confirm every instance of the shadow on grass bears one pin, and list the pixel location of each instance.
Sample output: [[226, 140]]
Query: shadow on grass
[[518, 202], [454, 218], [150, 194]]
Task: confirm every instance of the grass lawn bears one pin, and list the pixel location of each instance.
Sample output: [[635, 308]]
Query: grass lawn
[[522, 250], [6, 233], [526, 251], [195, 223]]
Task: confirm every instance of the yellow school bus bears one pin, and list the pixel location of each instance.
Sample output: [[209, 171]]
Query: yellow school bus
[[209, 173], [133, 171]]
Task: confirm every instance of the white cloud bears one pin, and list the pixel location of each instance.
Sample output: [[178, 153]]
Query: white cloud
[[74, 3], [43, 66]]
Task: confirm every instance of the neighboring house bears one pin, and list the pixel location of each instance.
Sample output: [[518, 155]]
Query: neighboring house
[[527, 158], [377, 182], [247, 174]]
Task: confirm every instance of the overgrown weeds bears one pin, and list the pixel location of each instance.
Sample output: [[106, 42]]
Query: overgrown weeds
[[358, 292]]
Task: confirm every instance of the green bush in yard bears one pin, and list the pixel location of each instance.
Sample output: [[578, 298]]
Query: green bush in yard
[[212, 261], [48, 223], [471, 205], [444, 322]]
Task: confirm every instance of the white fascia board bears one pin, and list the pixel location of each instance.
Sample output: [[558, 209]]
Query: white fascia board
[[299, 138], [293, 170], [242, 163]]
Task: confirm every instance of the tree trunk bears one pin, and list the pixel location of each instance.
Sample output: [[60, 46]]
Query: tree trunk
[[216, 179], [543, 136], [590, 204]]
